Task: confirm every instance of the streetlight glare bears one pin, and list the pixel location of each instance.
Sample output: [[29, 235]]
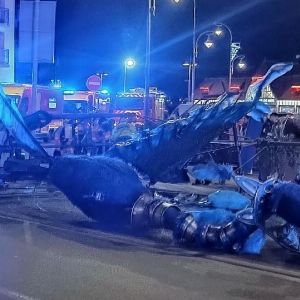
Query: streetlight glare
[[242, 64], [209, 43], [129, 63], [101, 74], [188, 64], [218, 31], [176, 1]]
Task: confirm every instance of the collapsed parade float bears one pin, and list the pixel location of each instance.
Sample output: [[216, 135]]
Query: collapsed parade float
[[114, 187]]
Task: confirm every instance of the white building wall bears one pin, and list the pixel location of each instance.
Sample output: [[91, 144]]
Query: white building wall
[[7, 70]]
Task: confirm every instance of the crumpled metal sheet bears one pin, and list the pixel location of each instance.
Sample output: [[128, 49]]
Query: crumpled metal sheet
[[14, 123], [166, 149]]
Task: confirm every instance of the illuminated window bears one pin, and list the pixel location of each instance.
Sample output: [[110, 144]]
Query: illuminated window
[[235, 88], [52, 103], [204, 90], [4, 53], [295, 89], [4, 14]]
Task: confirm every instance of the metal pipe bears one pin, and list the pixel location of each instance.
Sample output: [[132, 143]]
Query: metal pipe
[[228, 237]]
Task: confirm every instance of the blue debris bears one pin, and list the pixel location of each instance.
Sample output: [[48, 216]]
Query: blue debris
[[230, 200], [106, 188], [217, 217], [288, 235], [254, 243], [212, 172], [2, 184], [263, 107], [259, 111], [184, 138], [103, 188]]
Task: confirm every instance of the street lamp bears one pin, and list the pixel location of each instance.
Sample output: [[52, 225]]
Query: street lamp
[[151, 12], [234, 49], [129, 63], [218, 31], [101, 75], [233, 56], [241, 64], [209, 42], [193, 75]]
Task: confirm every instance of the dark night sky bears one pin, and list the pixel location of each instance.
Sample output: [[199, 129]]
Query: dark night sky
[[96, 35]]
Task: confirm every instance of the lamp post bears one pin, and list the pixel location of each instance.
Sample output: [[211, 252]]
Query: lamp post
[[194, 51], [151, 12], [129, 63], [208, 44], [189, 65], [35, 59], [193, 67], [241, 64], [233, 56], [101, 75], [233, 52]]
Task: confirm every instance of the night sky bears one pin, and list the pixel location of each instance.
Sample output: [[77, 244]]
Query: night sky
[[96, 35]]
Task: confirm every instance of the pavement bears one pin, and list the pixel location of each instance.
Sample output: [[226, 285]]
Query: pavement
[[50, 250]]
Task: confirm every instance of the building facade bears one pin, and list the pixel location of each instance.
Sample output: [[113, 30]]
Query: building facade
[[283, 95], [7, 41]]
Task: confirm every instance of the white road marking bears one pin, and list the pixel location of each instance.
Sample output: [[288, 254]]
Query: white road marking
[[14, 295]]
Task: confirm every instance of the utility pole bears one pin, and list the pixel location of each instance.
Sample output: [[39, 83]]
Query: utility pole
[[151, 11], [35, 58], [194, 52]]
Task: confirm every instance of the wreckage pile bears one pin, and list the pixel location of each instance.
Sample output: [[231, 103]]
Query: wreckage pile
[[112, 188]]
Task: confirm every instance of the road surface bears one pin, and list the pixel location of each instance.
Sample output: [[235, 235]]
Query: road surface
[[49, 250]]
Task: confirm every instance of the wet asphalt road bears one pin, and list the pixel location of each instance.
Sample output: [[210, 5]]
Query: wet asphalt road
[[49, 250]]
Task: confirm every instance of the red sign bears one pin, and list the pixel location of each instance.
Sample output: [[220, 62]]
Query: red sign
[[94, 83]]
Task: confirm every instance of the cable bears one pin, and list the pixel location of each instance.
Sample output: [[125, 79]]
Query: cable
[[256, 154]]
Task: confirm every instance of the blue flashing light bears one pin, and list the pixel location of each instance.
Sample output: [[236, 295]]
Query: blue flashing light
[[104, 91], [69, 92]]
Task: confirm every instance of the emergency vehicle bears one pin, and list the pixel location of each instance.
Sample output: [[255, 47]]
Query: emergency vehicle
[[133, 102], [49, 99], [85, 102]]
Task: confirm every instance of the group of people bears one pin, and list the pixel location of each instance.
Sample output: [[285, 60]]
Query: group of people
[[95, 137]]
